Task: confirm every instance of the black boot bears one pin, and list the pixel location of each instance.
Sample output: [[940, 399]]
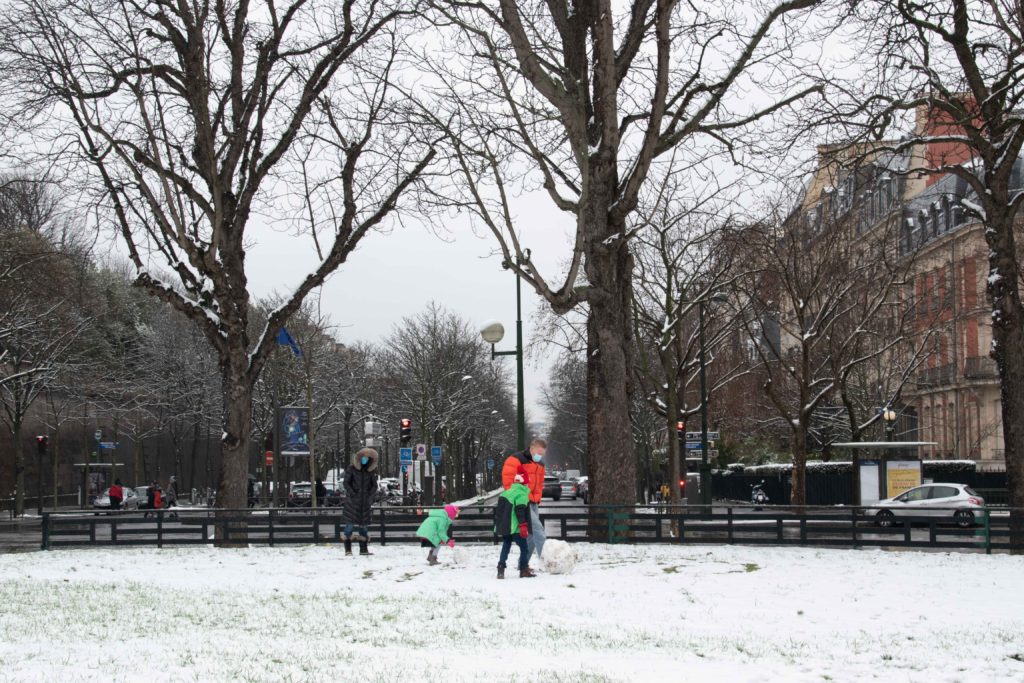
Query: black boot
[[348, 546], [526, 573], [363, 550], [501, 571]]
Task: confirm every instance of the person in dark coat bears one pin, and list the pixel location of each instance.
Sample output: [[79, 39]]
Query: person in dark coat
[[360, 494], [321, 492]]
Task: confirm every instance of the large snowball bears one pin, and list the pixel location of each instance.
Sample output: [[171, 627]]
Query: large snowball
[[559, 557], [459, 555]]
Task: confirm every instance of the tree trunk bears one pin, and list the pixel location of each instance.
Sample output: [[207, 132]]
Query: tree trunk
[[609, 347], [19, 470], [192, 455], [238, 392], [1008, 352], [798, 480]]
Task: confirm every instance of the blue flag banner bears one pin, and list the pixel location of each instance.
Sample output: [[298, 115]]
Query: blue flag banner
[[285, 339]]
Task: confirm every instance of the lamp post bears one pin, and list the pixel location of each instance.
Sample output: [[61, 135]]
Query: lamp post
[[705, 466], [492, 333], [889, 416]]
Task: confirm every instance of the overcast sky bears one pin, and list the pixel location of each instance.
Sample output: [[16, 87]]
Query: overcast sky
[[395, 275]]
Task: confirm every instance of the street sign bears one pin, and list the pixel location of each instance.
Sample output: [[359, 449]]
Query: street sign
[[490, 463], [269, 458], [435, 454], [695, 445], [421, 451], [108, 444], [372, 428], [405, 468], [695, 436], [404, 455], [98, 434]]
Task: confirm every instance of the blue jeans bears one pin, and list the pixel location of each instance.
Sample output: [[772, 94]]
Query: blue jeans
[[364, 532], [537, 535], [506, 546]]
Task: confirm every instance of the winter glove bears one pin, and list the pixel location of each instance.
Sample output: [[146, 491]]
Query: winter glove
[[523, 530], [451, 542]]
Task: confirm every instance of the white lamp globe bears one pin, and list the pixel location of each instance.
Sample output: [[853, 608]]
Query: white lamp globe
[[492, 331]]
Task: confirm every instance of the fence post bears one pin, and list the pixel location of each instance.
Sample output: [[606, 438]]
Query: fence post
[[988, 532], [159, 528], [564, 531], [383, 527], [270, 519], [853, 527], [729, 509], [46, 531]]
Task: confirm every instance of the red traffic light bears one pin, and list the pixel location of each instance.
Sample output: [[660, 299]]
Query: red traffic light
[[680, 426], [682, 484], [406, 423], [42, 441]]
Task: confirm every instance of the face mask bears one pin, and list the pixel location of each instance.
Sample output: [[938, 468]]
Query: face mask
[[537, 457], [363, 461]]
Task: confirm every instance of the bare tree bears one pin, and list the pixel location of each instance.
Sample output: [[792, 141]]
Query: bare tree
[[957, 66], [582, 99], [825, 296], [188, 116], [680, 266]]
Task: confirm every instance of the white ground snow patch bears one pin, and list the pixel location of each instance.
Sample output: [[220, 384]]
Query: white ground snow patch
[[627, 613]]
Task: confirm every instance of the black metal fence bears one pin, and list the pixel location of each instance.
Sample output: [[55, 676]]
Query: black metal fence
[[738, 525]]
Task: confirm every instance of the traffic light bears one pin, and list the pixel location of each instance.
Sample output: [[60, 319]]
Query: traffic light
[[42, 441], [682, 486], [405, 431], [681, 432]]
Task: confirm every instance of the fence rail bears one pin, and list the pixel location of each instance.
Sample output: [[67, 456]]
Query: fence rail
[[737, 525]]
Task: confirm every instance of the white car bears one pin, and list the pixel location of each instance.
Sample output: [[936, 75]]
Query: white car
[[131, 500], [956, 501]]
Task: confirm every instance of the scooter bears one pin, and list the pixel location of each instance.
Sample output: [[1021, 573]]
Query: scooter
[[757, 495]]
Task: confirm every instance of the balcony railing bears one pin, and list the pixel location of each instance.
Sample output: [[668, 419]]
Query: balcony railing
[[938, 376], [980, 367]]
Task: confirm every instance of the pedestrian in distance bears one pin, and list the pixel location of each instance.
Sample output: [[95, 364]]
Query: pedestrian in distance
[[512, 523], [116, 495], [154, 497], [532, 460], [321, 492], [360, 494], [436, 530], [171, 494]]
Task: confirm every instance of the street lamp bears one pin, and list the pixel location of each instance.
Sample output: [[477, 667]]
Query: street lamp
[[492, 333], [889, 416]]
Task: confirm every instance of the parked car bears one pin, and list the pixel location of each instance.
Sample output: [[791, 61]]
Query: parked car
[[552, 487], [131, 499], [300, 494], [583, 489], [568, 489], [955, 501]]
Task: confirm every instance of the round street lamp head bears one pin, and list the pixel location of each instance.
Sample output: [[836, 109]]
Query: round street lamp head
[[492, 331], [889, 415]]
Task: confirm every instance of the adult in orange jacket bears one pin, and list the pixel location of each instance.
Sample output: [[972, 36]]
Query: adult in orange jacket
[[532, 460]]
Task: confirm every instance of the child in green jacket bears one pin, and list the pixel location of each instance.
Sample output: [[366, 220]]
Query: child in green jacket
[[435, 530], [512, 523]]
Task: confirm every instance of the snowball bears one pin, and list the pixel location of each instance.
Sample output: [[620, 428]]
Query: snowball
[[459, 555], [559, 557]]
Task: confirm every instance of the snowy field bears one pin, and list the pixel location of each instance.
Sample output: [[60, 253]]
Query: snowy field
[[628, 613]]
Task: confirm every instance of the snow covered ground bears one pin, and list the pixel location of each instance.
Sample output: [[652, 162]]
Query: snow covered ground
[[628, 613]]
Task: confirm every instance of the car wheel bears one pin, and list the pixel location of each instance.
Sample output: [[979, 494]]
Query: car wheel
[[884, 518], [963, 518]]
